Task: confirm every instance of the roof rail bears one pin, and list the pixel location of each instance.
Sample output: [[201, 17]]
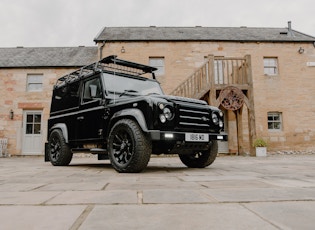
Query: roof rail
[[110, 63]]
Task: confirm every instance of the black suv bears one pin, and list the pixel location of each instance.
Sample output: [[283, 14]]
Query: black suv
[[112, 109]]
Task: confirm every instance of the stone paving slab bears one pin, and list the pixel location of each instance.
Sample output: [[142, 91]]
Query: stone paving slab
[[286, 215], [96, 197], [193, 216], [25, 198], [175, 196], [39, 217], [274, 192], [261, 194]]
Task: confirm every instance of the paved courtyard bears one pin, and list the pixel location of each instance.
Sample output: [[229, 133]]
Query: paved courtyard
[[274, 192]]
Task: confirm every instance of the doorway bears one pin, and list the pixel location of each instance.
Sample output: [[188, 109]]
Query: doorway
[[32, 132]]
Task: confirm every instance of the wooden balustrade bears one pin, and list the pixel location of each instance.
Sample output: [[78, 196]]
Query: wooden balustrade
[[215, 72]]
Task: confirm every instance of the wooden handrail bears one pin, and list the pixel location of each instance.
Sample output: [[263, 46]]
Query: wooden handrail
[[215, 71]]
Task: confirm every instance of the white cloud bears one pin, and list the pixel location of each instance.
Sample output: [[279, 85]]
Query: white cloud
[[77, 22]]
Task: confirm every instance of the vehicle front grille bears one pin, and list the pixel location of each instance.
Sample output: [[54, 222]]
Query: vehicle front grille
[[193, 117]]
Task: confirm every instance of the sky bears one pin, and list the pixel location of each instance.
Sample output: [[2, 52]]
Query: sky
[[62, 23]]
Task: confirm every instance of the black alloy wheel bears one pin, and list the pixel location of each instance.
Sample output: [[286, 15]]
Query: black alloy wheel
[[200, 159], [129, 148], [59, 151]]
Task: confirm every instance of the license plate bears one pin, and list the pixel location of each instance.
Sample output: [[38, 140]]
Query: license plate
[[197, 137]]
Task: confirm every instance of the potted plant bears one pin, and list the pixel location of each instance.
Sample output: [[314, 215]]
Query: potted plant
[[261, 147]]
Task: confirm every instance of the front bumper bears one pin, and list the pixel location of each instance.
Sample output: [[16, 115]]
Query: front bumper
[[157, 135]]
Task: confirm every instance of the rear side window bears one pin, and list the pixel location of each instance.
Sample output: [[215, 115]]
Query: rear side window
[[65, 97]]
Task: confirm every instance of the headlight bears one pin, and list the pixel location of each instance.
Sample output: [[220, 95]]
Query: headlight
[[166, 112], [161, 106], [162, 118], [215, 119]]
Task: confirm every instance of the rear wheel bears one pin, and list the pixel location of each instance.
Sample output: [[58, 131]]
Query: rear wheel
[[200, 159], [129, 149], [59, 151]]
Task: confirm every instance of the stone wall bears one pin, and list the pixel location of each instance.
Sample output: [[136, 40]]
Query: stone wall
[[291, 92], [13, 96]]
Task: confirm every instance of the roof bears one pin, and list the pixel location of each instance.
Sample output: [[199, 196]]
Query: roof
[[47, 56], [249, 34]]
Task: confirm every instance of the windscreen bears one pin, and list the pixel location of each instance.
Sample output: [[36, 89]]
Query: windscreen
[[119, 86]]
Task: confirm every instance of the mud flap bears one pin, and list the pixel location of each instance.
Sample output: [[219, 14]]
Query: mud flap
[[46, 152]]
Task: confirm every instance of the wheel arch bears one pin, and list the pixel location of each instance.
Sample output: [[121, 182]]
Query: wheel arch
[[63, 129], [134, 114]]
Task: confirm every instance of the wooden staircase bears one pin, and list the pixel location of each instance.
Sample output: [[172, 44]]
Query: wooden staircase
[[216, 75]]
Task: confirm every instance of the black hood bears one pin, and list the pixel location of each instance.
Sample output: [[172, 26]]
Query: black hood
[[177, 99]]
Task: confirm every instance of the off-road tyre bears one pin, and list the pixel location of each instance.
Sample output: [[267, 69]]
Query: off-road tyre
[[129, 149], [59, 151], [200, 159]]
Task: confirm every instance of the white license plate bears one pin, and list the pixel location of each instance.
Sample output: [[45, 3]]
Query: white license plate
[[197, 137]]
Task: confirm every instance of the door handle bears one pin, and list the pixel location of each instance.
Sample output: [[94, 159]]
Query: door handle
[[80, 118]]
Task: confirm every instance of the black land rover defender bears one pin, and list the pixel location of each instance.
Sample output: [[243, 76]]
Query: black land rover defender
[[107, 108]]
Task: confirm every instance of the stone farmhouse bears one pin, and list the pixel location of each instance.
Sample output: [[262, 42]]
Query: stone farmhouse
[[262, 78]]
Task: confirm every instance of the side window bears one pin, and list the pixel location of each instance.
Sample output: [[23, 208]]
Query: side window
[[92, 90], [65, 97], [271, 66]]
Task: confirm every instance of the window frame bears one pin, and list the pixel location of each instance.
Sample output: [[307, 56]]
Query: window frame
[[274, 121], [34, 82], [271, 68]]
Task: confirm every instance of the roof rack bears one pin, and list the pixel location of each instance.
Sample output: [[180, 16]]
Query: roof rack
[[110, 63]]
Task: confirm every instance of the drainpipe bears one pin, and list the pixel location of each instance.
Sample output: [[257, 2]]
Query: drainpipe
[[101, 50]]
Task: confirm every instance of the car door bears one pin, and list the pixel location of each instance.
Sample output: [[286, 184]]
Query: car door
[[90, 118]]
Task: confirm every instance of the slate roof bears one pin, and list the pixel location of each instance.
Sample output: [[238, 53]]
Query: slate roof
[[47, 57], [246, 34]]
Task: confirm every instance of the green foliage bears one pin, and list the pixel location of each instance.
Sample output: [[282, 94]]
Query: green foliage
[[259, 142]]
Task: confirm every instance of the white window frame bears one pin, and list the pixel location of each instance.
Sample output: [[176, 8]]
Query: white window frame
[[271, 66], [159, 63], [274, 124], [34, 82]]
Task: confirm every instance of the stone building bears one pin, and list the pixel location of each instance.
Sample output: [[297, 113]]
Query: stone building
[[27, 76], [268, 73]]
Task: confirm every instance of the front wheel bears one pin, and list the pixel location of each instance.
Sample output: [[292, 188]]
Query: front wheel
[[59, 151], [200, 159], [129, 149]]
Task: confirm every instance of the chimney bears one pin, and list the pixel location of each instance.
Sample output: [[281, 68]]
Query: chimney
[[290, 32]]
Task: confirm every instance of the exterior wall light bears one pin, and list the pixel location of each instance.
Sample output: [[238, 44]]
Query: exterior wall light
[[11, 115], [301, 50], [122, 50]]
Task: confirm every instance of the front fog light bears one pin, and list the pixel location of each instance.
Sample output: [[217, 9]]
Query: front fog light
[[162, 118]]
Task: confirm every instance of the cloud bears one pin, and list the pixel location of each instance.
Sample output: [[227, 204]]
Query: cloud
[[77, 22]]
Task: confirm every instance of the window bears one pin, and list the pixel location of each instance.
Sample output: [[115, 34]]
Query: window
[[274, 121], [158, 62], [92, 90], [34, 82], [271, 66], [33, 123], [65, 97]]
